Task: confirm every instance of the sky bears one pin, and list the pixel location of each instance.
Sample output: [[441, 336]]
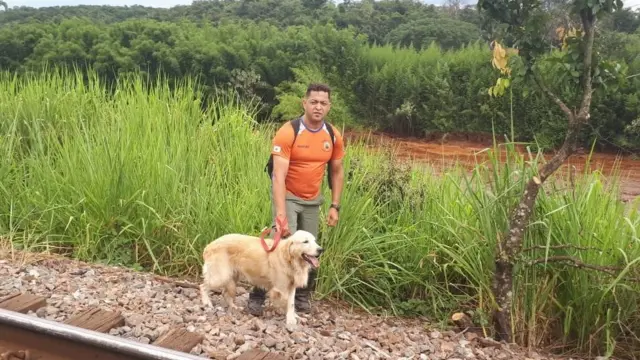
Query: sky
[[152, 3], [45, 3]]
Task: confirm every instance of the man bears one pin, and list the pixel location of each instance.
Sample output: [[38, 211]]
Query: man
[[298, 172]]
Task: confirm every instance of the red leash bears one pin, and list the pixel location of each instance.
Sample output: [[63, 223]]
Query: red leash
[[276, 238]]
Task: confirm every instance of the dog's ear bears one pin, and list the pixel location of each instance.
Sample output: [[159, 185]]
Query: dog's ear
[[288, 256]]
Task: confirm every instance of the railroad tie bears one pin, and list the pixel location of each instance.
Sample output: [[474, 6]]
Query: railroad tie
[[256, 354], [20, 302], [179, 339], [23, 302], [96, 319]]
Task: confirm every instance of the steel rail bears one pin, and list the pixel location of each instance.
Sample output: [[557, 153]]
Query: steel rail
[[88, 338]]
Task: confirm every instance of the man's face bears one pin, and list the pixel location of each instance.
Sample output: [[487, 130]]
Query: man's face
[[316, 105]]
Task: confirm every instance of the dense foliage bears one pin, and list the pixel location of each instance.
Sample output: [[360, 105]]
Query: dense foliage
[[142, 178], [397, 65], [144, 170]]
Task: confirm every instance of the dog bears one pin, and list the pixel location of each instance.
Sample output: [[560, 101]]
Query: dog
[[231, 257]]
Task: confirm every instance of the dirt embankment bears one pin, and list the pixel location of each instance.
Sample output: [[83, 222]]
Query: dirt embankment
[[443, 151]]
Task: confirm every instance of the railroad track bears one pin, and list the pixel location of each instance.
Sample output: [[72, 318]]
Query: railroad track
[[84, 336]]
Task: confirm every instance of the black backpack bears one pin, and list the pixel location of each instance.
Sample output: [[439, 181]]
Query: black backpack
[[296, 127]]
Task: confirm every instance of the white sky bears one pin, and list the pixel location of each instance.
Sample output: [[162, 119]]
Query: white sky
[[45, 3], [152, 3]]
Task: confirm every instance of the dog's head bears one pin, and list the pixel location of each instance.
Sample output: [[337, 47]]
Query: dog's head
[[302, 245]]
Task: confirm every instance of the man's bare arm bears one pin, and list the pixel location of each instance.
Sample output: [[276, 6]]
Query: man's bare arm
[[280, 169], [337, 180]]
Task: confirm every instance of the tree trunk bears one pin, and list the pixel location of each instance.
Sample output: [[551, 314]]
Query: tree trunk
[[510, 245]]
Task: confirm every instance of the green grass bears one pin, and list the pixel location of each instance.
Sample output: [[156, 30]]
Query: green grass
[[144, 177]]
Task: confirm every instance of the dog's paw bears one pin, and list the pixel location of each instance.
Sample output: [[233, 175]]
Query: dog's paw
[[291, 322], [291, 327]]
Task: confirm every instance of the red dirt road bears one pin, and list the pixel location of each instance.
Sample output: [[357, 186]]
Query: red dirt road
[[462, 149]]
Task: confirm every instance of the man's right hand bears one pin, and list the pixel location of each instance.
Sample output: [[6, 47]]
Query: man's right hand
[[282, 226]]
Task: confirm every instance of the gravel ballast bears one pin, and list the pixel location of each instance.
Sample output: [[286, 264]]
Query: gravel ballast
[[151, 307]]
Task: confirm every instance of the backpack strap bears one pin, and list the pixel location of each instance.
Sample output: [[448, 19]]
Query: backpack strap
[[330, 130], [333, 143], [295, 123]]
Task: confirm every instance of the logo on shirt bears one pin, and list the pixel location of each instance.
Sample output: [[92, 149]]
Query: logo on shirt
[[326, 146], [276, 148]]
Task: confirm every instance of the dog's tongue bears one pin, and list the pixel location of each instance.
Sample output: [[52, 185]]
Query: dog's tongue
[[314, 261]]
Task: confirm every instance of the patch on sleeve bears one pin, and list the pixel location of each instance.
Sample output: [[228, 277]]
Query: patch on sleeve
[[276, 148]]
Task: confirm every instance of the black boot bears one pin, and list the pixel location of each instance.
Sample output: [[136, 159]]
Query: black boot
[[303, 295], [255, 305]]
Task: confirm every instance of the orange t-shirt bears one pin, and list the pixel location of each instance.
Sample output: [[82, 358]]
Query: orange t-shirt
[[308, 158]]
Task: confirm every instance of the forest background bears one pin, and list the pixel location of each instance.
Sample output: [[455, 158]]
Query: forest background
[[400, 66], [116, 162]]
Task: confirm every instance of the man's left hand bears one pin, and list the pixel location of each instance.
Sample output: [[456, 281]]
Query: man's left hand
[[332, 217]]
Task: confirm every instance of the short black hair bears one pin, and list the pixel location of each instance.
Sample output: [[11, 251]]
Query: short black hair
[[318, 87]]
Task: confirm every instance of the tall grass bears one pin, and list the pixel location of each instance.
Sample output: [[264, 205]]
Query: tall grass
[[145, 177], [138, 177]]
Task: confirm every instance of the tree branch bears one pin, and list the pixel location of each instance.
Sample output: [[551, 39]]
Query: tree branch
[[176, 282], [563, 246], [554, 97], [588, 25], [577, 263]]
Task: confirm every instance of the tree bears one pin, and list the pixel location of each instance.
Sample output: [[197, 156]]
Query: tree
[[314, 4], [4, 5], [524, 22]]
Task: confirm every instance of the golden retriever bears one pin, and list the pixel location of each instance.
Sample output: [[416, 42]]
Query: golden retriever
[[280, 272]]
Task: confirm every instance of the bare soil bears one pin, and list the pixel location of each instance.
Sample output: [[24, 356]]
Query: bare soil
[[443, 151]]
